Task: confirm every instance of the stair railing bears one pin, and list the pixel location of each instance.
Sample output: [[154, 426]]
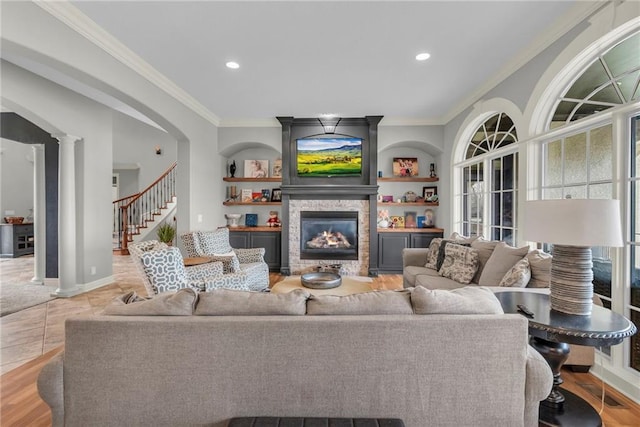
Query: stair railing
[[132, 213]]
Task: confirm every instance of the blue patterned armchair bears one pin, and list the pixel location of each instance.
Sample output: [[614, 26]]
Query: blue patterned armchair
[[216, 244]]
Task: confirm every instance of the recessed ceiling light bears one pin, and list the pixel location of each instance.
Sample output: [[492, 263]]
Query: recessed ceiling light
[[423, 56], [233, 65]]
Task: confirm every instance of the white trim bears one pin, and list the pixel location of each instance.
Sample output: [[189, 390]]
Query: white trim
[[69, 15], [86, 287]]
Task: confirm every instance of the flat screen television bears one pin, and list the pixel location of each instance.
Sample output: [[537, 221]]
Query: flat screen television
[[322, 157]]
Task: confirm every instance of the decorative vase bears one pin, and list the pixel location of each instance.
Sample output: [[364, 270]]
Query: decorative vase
[[232, 169], [232, 219], [383, 223]]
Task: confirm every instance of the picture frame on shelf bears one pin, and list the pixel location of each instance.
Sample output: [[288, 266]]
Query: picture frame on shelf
[[429, 192], [420, 221], [251, 220], [277, 168], [397, 221], [276, 195], [256, 168], [246, 195], [256, 196], [405, 166], [266, 195], [387, 199], [410, 219]]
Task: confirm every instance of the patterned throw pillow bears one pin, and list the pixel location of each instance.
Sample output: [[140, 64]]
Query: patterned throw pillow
[[460, 263], [432, 255], [518, 276]]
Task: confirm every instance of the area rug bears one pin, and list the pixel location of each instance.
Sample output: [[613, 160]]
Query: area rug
[[350, 285], [18, 296]]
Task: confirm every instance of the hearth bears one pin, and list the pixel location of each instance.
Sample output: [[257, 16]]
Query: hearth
[[329, 235]]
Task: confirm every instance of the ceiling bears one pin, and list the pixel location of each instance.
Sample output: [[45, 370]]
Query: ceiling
[[351, 59]]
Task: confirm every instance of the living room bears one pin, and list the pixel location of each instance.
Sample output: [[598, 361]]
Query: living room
[[205, 145]]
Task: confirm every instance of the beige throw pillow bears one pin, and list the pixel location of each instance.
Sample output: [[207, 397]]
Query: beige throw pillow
[[466, 300], [432, 255], [540, 263], [227, 302], [460, 263], [180, 303], [459, 238], [378, 302], [518, 276], [502, 259], [485, 249]]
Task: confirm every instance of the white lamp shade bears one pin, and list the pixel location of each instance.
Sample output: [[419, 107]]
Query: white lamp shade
[[573, 222]]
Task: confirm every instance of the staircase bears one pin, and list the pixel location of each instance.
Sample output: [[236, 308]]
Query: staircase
[[137, 215]]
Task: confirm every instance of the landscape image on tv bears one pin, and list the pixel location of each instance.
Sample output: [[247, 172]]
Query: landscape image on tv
[[329, 156]]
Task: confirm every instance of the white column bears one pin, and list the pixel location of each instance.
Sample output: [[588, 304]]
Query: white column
[[67, 258], [39, 214]]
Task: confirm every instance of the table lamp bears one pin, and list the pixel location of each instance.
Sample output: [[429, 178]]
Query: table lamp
[[573, 226]]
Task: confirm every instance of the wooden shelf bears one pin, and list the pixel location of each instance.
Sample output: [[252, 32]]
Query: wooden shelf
[[251, 203], [259, 228], [380, 204], [409, 179], [410, 230], [236, 179]]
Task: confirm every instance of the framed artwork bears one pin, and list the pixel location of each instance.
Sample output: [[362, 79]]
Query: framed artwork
[[329, 156], [277, 168], [397, 221], [246, 195], [276, 195], [429, 218], [251, 220], [256, 168], [405, 166], [256, 196], [410, 219], [428, 192], [420, 221], [387, 199]]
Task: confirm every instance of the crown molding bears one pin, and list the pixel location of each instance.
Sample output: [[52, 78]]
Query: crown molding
[[72, 17], [577, 14], [405, 121]]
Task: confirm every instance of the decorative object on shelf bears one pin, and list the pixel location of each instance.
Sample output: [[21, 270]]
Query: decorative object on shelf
[[432, 199], [420, 221], [573, 226], [232, 169], [266, 195], [232, 219], [29, 217], [166, 233], [383, 218], [273, 220], [13, 219], [251, 220], [276, 195], [428, 192], [432, 171], [429, 218], [246, 195], [256, 196], [405, 166], [397, 221], [387, 199], [410, 196], [256, 168], [233, 193], [328, 157], [277, 168], [410, 219]]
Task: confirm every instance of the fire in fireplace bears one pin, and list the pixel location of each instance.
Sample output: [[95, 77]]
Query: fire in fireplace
[[331, 235]]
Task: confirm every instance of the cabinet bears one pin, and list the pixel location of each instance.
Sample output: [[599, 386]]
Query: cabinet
[[16, 240], [268, 238], [391, 242]]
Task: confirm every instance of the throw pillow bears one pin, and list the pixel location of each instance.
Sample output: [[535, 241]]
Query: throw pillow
[[180, 303], [460, 263], [466, 300], [502, 259], [540, 263], [379, 302], [459, 238], [227, 302], [518, 276], [432, 254], [485, 249]]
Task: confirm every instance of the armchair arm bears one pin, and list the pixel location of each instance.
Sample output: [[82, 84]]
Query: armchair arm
[[539, 377], [414, 256], [202, 271], [247, 256], [51, 388]]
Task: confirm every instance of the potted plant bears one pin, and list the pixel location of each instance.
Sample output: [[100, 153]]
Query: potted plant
[[166, 233]]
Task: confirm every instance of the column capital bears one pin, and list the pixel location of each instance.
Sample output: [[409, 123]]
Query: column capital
[[65, 137], [37, 147]]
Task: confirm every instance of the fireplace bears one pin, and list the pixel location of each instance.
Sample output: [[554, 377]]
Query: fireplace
[[329, 235]]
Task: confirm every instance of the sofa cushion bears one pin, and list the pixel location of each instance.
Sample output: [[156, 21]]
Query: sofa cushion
[[436, 281], [518, 276], [459, 238], [460, 263], [378, 302], [180, 303], [466, 300], [540, 263], [485, 249], [227, 302], [502, 259], [410, 272]]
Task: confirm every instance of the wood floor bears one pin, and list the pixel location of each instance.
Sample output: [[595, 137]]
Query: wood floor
[[20, 404]]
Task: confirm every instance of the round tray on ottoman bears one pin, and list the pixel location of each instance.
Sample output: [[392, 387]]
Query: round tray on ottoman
[[321, 280]]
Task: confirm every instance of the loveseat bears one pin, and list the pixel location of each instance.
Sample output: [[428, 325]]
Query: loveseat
[[426, 357]]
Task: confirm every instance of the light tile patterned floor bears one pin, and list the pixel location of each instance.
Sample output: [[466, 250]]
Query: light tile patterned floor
[[34, 331]]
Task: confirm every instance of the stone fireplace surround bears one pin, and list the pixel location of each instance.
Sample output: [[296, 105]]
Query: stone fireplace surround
[[357, 193]]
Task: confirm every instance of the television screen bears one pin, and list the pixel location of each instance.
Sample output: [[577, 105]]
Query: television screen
[[329, 157]]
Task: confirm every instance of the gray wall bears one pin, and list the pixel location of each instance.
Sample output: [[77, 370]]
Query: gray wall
[[16, 178]]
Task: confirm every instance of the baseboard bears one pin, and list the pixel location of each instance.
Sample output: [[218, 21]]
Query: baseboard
[[86, 287]]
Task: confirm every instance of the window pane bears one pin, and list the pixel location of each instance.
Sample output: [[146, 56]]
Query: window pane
[[601, 153], [552, 193], [575, 159], [576, 192], [600, 191], [607, 94], [627, 84], [509, 171], [507, 209], [592, 78], [553, 163], [496, 166], [624, 56]]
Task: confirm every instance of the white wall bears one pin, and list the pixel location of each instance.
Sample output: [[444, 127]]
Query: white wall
[[16, 178]]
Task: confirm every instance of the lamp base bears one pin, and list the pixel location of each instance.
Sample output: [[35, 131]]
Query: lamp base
[[571, 287]]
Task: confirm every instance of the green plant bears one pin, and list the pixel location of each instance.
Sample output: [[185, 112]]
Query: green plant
[[166, 233]]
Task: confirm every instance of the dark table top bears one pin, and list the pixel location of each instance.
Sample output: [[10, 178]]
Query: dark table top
[[602, 328]]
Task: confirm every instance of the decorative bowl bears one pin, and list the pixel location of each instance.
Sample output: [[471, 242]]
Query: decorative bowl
[[13, 219], [232, 219], [321, 280]]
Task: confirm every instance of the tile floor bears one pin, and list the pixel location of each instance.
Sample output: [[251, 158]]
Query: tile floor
[[32, 332]]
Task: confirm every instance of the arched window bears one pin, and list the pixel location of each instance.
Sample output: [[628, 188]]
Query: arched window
[[489, 192]]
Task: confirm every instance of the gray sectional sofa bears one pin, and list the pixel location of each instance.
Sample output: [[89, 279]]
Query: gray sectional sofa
[[428, 358]]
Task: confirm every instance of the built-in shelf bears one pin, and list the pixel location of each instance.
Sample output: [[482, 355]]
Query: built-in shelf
[[259, 228], [236, 179], [408, 204], [408, 179], [251, 203], [410, 230]]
